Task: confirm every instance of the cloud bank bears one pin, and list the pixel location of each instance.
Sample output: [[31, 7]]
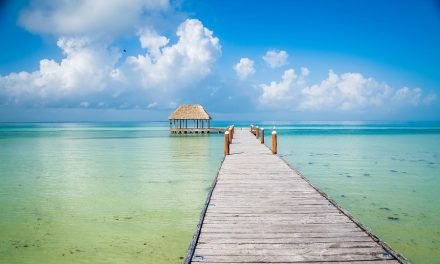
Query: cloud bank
[[338, 92], [94, 74]]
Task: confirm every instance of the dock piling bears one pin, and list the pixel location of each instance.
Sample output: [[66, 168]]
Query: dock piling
[[257, 130], [274, 142], [262, 136], [226, 149]]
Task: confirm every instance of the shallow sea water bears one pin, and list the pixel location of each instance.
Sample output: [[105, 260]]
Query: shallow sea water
[[386, 175], [101, 193], [131, 193]]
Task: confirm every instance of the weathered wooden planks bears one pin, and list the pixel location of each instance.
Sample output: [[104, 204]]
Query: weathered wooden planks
[[262, 211]]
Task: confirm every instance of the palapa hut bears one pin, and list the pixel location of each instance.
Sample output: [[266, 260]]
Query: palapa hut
[[190, 118]]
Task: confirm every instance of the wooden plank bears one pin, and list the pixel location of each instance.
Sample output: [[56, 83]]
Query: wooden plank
[[290, 246], [262, 211], [261, 230], [279, 240], [270, 220], [306, 256], [285, 234], [320, 262], [317, 253]]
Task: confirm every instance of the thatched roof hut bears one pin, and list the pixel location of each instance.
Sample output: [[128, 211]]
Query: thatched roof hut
[[194, 113], [190, 112]]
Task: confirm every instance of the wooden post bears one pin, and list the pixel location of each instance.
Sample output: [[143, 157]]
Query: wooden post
[[274, 142], [232, 130], [262, 136], [230, 135], [227, 143], [256, 131]]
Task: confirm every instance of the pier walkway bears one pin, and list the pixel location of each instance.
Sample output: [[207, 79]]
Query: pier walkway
[[261, 211]]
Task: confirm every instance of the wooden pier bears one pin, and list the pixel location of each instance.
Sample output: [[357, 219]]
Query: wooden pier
[[260, 210], [211, 130]]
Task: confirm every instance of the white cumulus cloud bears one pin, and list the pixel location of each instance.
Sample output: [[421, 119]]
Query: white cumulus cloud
[[153, 42], [346, 91], [275, 58], [338, 92], [93, 72], [84, 69], [284, 92], [244, 68], [174, 66], [73, 18]]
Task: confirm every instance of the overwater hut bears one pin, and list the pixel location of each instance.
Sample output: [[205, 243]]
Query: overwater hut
[[190, 118]]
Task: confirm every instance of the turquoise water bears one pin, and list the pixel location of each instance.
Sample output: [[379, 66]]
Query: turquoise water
[[386, 175], [101, 193], [131, 193]]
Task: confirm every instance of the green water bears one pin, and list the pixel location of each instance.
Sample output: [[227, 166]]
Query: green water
[[99, 193], [131, 193], [388, 177]]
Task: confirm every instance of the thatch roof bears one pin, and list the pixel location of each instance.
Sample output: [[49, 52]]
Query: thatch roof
[[190, 111]]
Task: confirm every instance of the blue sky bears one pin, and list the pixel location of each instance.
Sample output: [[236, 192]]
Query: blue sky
[[244, 60]]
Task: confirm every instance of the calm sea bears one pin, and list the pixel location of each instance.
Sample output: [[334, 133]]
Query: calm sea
[[131, 193]]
